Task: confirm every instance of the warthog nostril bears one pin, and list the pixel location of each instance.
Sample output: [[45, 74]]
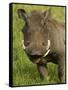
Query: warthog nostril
[[43, 43], [24, 46], [27, 43]]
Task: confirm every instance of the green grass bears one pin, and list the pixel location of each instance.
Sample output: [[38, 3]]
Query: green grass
[[24, 71]]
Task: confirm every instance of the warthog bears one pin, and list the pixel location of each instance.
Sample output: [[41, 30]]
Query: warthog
[[44, 41]]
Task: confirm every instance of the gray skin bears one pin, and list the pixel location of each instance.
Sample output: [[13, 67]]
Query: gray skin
[[39, 28]]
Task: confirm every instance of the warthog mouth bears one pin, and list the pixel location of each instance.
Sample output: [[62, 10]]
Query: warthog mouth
[[37, 58], [34, 58]]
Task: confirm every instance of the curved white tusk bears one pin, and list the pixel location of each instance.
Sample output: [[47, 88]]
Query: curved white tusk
[[46, 53], [24, 47], [48, 50], [48, 46]]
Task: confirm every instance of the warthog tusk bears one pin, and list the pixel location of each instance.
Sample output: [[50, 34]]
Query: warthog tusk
[[48, 46], [24, 47], [46, 53], [48, 50]]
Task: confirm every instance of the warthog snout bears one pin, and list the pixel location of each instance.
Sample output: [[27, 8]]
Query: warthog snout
[[34, 50]]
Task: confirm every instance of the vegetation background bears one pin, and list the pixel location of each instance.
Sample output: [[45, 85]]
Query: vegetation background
[[24, 71]]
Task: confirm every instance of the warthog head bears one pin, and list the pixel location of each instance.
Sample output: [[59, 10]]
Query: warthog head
[[36, 38]]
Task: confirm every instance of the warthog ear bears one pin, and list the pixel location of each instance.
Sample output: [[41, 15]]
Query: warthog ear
[[22, 13], [47, 14]]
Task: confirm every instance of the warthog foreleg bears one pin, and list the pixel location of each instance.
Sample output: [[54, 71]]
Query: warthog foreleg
[[42, 68]]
